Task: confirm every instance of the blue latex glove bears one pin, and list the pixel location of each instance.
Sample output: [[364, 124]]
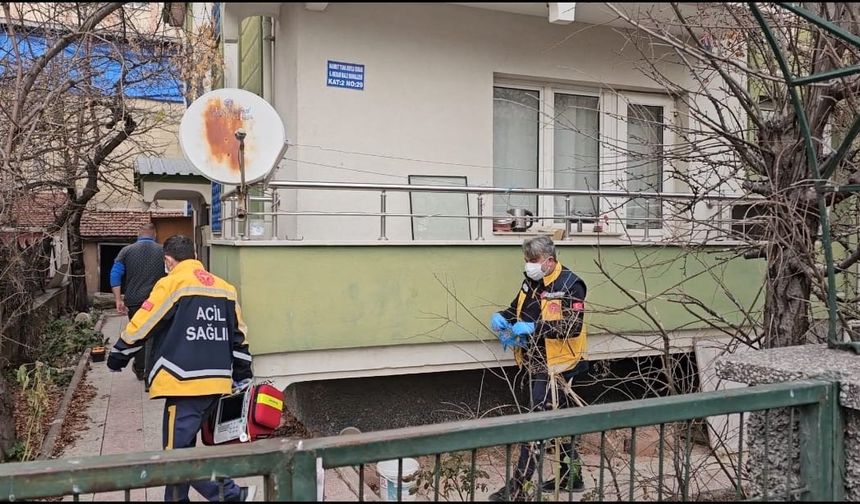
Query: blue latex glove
[[523, 328], [507, 338], [510, 340], [498, 322]]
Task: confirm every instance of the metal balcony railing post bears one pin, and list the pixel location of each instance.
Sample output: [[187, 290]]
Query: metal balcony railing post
[[246, 225], [235, 219], [720, 223], [480, 217], [275, 209], [382, 197], [567, 218]]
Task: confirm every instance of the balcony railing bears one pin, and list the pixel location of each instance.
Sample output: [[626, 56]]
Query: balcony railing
[[716, 225]]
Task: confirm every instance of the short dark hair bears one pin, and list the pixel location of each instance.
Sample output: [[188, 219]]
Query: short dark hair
[[147, 229], [179, 247]]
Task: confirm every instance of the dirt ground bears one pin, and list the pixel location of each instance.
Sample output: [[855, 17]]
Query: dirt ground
[[76, 417]]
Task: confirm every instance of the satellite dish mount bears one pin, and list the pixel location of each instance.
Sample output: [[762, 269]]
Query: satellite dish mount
[[210, 129], [242, 192]]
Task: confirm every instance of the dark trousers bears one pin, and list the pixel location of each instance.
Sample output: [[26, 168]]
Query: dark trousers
[[183, 418], [541, 400], [139, 363]]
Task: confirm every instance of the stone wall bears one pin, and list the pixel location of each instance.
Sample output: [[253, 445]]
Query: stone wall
[[25, 333], [780, 365], [15, 349]]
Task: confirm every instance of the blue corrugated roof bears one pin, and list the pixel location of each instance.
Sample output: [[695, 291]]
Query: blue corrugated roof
[[149, 72]]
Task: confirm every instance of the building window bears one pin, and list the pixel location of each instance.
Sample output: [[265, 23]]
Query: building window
[[557, 137], [516, 114], [644, 164], [576, 152]]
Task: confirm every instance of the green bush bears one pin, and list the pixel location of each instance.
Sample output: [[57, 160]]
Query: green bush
[[64, 340], [59, 350]]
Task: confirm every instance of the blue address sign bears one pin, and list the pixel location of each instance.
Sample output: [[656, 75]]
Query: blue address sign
[[345, 75]]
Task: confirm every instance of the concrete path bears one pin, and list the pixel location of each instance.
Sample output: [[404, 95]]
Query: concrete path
[[124, 420]]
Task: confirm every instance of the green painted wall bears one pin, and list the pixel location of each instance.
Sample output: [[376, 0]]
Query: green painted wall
[[313, 297], [251, 73], [251, 55]]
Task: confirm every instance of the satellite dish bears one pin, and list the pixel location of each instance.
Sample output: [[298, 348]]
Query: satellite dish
[[208, 136]]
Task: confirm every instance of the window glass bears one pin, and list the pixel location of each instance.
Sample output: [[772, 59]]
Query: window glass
[[576, 158], [515, 146], [644, 164]]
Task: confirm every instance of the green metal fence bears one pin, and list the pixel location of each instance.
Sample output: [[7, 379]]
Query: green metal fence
[[289, 467]]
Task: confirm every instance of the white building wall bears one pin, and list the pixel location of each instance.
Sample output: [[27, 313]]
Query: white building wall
[[427, 106]]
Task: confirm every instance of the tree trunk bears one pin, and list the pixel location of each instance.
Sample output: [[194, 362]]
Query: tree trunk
[[786, 308], [78, 300], [787, 313]]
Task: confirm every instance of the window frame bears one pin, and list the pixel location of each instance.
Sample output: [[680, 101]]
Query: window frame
[[526, 86], [637, 98], [612, 124]]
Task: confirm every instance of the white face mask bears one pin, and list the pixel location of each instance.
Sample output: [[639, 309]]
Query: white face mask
[[534, 271]]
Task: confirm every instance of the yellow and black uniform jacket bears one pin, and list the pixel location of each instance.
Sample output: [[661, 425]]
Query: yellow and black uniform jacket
[[198, 334], [556, 305]]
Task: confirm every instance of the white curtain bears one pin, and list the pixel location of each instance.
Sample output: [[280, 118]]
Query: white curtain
[[515, 146], [644, 164], [576, 162]]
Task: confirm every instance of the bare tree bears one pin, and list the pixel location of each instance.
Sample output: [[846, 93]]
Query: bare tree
[[738, 126], [81, 95]]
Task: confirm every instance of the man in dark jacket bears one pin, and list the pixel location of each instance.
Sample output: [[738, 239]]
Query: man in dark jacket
[[139, 265], [199, 353]]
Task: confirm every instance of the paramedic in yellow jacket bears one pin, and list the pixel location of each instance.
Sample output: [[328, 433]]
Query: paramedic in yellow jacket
[[199, 352], [546, 327]]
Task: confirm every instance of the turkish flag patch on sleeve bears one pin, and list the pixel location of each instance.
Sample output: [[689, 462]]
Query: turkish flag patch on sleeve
[[147, 305], [577, 306], [204, 277]]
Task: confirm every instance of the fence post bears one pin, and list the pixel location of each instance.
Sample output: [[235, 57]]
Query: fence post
[[838, 439], [818, 452], [279, 482], [304, 476]]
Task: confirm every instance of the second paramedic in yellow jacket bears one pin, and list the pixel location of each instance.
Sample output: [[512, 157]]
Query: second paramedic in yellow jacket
[[199, 352], [546, 320]]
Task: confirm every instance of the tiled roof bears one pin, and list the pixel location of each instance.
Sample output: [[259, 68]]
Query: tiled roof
[[155, 165], [41, 210], [95, 224]]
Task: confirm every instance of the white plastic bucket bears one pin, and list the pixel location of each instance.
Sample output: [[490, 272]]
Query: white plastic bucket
[[387, 470]]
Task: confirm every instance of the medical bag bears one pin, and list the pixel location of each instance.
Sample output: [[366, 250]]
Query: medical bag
[[244, 416]]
